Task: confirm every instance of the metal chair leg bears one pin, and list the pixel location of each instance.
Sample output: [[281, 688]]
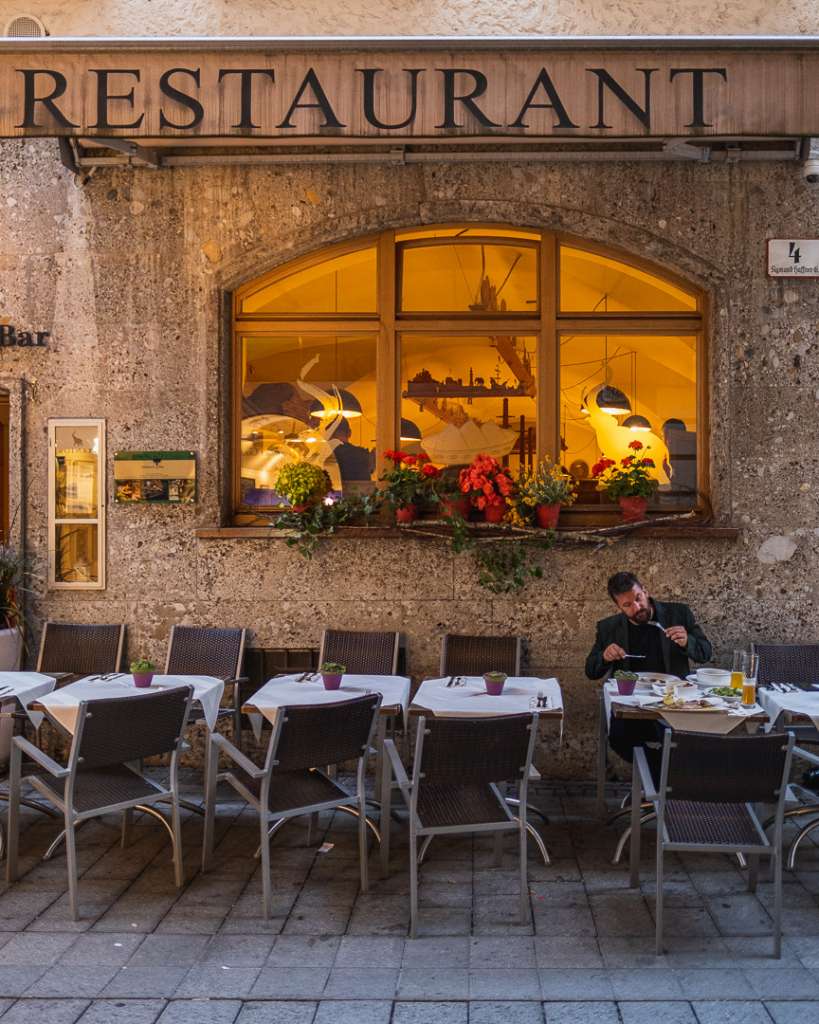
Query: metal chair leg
[[658, 935], [210, 807], [413, 883], [424, 847], [71, 861], [795, 844], [265, 853], [544, 853], [626, 835], [530, 808], [386, 810]]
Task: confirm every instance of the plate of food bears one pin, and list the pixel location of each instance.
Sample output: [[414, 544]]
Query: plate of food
[[657, 677], [728, 694], [701, 705]]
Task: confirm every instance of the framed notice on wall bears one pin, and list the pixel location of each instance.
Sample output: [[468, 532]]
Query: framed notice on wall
[[155, 478], [793, 257]]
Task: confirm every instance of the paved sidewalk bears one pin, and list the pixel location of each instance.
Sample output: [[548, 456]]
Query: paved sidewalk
[[145, 953]]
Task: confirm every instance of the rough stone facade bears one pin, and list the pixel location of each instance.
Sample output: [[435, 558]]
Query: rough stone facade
[[129, 272]]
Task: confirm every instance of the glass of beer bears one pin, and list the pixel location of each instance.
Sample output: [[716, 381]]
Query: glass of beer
[[738, 670], [750, 669]]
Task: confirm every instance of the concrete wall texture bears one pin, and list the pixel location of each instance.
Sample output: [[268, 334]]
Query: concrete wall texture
[[423, 17], [128, 271]]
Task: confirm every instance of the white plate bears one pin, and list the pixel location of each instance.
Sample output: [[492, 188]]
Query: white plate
[[658, 677]]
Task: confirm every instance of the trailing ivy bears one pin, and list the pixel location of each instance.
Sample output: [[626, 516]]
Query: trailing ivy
[[321, 520]]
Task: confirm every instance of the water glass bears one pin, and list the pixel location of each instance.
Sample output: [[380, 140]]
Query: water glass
[[749, 670]]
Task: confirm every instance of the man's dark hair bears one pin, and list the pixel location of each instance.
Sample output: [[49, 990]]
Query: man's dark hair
[[622, 583]]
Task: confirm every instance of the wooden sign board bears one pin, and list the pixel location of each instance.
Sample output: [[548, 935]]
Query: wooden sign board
[[418, 93]]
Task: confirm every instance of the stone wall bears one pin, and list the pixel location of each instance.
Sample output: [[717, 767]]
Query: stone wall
[[129, 272], [423, 17]]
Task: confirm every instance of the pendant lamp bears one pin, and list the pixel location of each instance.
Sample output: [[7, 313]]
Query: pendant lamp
[[612, 400], [341, 403], [409, 431]]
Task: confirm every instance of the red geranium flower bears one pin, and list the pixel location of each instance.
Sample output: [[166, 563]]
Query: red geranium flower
[[422, 457], [627, 461], [648, 462], [409, 460], [636, 445], [429, 470]]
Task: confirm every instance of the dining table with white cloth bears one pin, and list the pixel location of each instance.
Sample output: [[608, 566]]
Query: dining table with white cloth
[[24, 687], [466, 697], [63, 705], [307, 688], [783, 704]]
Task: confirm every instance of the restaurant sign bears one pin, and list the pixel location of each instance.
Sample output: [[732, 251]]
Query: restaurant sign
[[499, 92], [793, 257], [11, 336]]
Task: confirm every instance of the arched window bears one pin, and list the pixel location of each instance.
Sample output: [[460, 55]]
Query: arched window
[[462, 339]]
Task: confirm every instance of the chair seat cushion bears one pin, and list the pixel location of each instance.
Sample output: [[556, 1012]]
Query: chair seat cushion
[[442, 806], [102, 787], [692, 821], [289, 790]]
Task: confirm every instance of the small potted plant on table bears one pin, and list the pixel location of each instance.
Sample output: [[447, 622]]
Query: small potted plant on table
[[494, 683], [143, 672], [630, 483], [331, 673]]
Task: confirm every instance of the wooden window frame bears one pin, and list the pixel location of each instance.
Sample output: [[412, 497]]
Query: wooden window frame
[[98, 520], [388, 322]]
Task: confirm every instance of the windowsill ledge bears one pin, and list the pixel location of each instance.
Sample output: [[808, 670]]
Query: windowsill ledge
[[672, 531]]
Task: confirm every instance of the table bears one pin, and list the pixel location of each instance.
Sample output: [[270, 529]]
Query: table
[[25, 687], [63, 704], [634, 708], [308, 688], [469, 698], [799, 704]]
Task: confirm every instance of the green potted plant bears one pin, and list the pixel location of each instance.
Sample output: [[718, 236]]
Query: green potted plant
[[630, 484], [331, 673], [451, 499], [143, 671], [409, 483], [303, 484], [542, 493], [626, 681], [494, 683]]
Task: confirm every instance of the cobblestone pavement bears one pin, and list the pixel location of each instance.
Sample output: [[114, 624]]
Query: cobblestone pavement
[[145, 953]]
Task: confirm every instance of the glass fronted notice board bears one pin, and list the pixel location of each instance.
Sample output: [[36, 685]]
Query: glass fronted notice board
[[167, 478]]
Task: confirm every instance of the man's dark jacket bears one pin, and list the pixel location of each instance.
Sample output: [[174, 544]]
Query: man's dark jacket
[[614, 630]]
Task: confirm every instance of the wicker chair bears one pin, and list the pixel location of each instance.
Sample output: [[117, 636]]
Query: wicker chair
[[702, 802], [99, 777], [361, 653], [453, 791], [74, 649], [289, 785], [473, 655], [199, 650]]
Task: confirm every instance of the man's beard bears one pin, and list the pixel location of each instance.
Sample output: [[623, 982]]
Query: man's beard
[[642, 616]]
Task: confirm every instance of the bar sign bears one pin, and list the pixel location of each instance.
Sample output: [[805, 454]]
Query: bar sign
[[793, 257]]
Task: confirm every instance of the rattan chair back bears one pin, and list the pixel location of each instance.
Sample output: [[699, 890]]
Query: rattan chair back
[[473, 750], [725, 769], [200, 650], [81, 649], [473, 655], [323, 734], [120, 729], [361, 653], [788, 663]]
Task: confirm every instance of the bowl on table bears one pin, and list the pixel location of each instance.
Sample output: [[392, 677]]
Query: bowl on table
[[713, 676]]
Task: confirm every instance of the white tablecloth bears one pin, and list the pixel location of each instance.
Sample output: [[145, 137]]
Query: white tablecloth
[[805, 702], [283, 690], [63, 704], [717, 722], [26, 687], [472, 700]]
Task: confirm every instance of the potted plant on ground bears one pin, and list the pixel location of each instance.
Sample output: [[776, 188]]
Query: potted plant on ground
[[11, 611], [628, 483], [488, 485], [409, 483], [542, 493], [143, 671], [303, 484], [331, 673]]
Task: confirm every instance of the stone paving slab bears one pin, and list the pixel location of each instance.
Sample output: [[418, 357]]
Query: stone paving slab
[[144, 953]]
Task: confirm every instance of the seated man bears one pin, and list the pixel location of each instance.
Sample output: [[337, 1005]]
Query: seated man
[[665, 634]]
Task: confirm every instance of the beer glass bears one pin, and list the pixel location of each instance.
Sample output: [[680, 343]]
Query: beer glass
[[749, 671], [738, 670]]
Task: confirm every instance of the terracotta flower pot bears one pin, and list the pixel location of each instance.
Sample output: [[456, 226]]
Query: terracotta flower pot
[[494, 513], [406, 513], [331, 680], [143, 679], [547, 515], [455, 506], [633, 508]]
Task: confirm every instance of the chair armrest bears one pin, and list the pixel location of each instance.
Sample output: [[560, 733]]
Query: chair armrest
[[806, 755], [253, 770], [647, 782], [398, 769], [50, 765]]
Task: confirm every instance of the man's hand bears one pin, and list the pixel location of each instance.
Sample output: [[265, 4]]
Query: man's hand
[[614, 652], [679, 635]]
